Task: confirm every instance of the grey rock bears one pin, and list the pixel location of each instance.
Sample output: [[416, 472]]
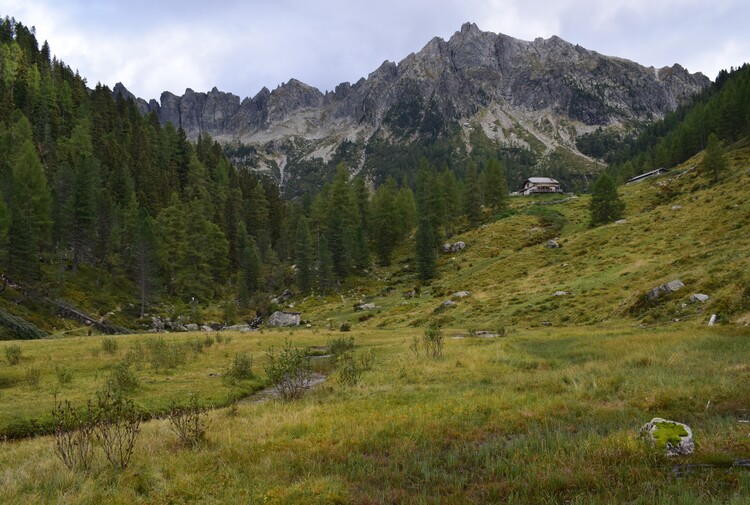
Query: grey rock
[[461, 294], [621, 221], [676, 207], [454, 80], [157, 323], [685, 447], [191, 327], [561, 293], [207, 328], [712, 321], [446, 248], [239, 327], [552, 244], [458, 247], [282, 319], [448, 304], [665, 289], [699, 297], [365, 306]]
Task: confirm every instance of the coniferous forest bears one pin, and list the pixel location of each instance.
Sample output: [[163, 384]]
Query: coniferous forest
[[103, 207]]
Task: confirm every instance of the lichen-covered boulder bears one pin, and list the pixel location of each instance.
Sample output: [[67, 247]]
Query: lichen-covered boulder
[[675, 439]]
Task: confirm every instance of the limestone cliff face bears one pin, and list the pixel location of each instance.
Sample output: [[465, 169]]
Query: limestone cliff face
[[524, 94]]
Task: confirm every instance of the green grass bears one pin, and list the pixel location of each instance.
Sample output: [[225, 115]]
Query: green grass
[[540, 416], [546, 414]]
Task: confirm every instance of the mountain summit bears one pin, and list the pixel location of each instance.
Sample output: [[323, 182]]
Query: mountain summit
[[539, 95]]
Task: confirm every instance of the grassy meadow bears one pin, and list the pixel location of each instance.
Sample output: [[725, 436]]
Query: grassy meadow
[[549, 411], [539, 416]]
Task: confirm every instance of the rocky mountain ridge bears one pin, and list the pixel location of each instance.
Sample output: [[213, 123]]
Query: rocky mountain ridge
[[537, 95]]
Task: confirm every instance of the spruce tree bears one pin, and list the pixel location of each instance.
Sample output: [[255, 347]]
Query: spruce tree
[[472, 201], [325, 266], [496, 189], [303, 256], [145, 256], [425, 249], [714, 162], [606, 205], [249, 279], [385, 223]]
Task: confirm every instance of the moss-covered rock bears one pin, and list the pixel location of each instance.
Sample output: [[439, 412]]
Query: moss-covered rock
[[675, 439]]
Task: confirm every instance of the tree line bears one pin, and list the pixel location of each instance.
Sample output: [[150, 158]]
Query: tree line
[[88, 182]]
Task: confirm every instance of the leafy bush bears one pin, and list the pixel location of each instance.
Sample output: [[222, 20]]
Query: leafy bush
[[64, 375], [13, 354], [241, 367], [432, 340], [109, 345], [122, 378], [347, 370], [74, 435], [165, 355], [117, 427], [189, 422], [340, 345], [33, 376], [288, 371], [345, 327]]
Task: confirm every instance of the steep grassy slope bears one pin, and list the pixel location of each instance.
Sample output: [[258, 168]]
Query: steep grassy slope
[[677, 226]]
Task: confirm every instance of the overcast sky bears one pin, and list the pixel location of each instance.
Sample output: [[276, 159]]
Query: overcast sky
[[241, 46]]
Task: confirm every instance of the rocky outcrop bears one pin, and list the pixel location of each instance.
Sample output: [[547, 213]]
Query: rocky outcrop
[[537, 95], [665, 289], [454, 79]]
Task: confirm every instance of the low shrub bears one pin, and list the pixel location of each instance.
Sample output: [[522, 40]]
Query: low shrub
[[117, 427], [189, 422], [109, 345], [123, 378], [340, 345], [32, 377], [74, 435], [13, 354], [64, 375], [288, 371], [241, 367]]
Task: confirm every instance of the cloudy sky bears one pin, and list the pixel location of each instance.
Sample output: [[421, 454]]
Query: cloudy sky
[[242, 45]]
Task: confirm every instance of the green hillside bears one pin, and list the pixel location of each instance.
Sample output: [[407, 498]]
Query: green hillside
[[677, 226]]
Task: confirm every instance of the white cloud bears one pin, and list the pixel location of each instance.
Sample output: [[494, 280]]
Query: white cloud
[[240, 46]]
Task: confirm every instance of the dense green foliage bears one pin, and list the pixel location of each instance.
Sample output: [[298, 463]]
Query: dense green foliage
[[606, 205], [722, 109]]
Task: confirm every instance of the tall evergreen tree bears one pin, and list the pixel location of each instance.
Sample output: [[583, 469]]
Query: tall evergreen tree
[[385, 225], [425, 249], [472, 202], [714, 161], [496, 188], [145, 257], [325, 266], [303, 256], [606, 205], [249, 278]]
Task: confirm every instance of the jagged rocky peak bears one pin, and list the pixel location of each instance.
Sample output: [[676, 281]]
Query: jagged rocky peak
[[471, 72]]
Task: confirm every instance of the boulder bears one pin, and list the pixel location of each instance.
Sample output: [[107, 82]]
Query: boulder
[[446, 248], [665, 289], [365, 306], [286, 295], [561, 293], [458, 247], [461, 294], [191, 327], [552, 244], [676, 207], [448, 304], [699, 297], [206, 327], [239, 327], [621, 221], [675, 439], [283, 319], [157, 323]]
